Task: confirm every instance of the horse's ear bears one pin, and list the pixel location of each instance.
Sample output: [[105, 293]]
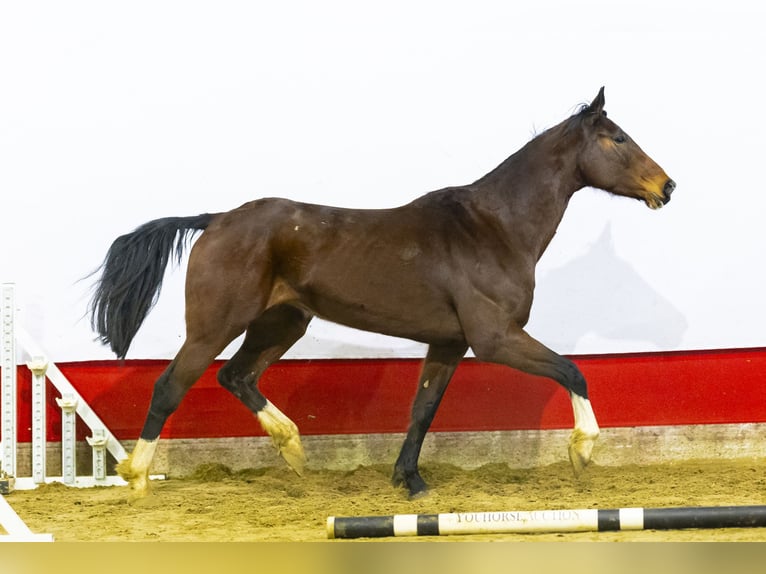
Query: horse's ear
[[596, 107]]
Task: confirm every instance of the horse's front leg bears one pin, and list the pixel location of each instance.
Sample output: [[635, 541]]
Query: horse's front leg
[[438, 367], [514, 347]]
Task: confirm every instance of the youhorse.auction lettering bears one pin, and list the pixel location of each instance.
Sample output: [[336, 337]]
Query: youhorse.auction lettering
[[517, 516]]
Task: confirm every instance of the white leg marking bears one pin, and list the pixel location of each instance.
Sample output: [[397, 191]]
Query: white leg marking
[[143, 454], [584, 435], [135, 468], [285, 435]]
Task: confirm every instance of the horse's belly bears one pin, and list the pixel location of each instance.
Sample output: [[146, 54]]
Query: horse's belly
[[426, 322]]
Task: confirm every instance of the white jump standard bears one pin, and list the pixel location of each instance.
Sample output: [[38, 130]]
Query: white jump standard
[[538, 521], [17, 530], [13, 339]]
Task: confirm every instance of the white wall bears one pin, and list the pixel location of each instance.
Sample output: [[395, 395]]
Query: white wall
[[112, 114]]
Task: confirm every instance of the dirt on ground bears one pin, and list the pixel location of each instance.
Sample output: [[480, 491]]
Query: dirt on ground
[[218, 504]]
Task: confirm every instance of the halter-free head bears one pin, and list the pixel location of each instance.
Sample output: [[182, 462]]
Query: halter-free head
[[610, 160]]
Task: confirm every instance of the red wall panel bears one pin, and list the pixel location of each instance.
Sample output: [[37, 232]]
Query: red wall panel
[[374, 395]]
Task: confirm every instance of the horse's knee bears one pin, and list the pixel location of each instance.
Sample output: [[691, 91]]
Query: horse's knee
[[526, 354]]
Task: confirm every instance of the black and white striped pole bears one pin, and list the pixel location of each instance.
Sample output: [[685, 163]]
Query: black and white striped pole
[[583, 520]]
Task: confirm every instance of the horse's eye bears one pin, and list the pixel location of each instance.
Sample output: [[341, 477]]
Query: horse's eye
[[619, 139]]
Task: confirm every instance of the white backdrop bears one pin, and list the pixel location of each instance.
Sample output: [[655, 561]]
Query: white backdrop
[[112, 114]]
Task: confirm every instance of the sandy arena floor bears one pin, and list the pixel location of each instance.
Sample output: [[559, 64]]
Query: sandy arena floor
[[216, 504]]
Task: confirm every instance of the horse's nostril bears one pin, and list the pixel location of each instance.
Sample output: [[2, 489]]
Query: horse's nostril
[[669, 187]]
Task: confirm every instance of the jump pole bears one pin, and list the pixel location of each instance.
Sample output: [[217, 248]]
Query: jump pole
[[536, 521]]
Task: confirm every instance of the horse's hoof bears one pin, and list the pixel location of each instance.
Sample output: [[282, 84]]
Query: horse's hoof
[[284, 434], [138, 482], [414, 483], [292, 453], [578, 462], [123, 469], [417, 495], [580, 451]]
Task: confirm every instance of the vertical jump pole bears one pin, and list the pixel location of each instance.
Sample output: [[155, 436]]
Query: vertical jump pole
[[98, 444], [8, 393], [12, 338], [68, 404], [38, 366]]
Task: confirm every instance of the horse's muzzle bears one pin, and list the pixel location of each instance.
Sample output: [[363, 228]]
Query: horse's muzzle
[[670, 185]]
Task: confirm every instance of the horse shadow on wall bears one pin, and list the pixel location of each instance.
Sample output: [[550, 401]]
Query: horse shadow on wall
[[601, 296]]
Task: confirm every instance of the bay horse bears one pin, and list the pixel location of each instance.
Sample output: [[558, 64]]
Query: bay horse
[[454, 269]]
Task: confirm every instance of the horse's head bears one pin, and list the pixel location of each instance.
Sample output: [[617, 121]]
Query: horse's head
[[609, 159]]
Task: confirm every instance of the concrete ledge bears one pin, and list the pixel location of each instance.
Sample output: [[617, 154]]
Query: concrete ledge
[[518, 449]]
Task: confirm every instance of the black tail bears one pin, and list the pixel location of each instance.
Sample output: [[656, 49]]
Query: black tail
[[132, 275]]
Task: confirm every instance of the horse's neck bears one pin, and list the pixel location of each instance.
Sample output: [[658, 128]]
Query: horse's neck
[[528, 193]]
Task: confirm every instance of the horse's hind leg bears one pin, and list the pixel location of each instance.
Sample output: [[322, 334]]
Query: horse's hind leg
[[267, 339], [438, 368], [188, 365]]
